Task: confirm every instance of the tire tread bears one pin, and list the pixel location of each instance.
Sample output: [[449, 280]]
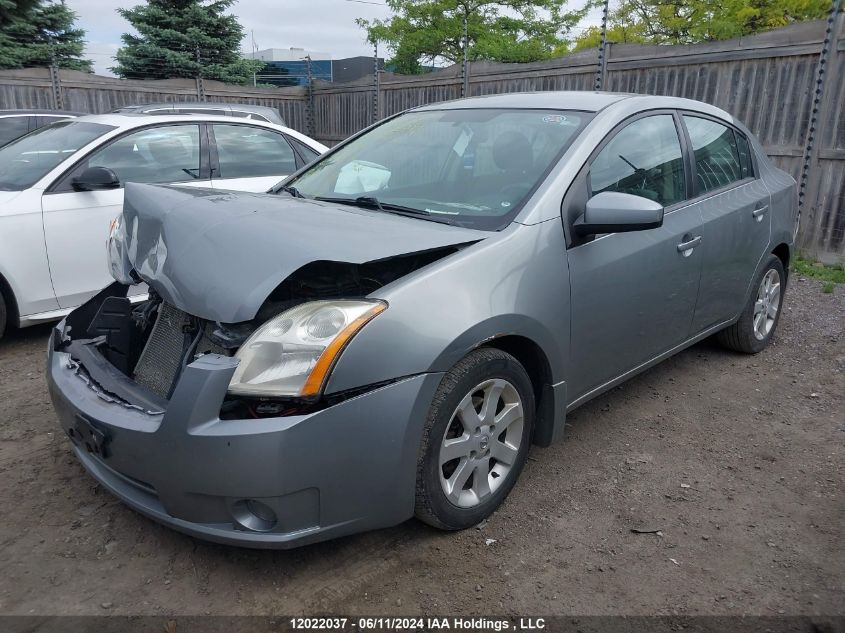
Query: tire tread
[[3, 314]]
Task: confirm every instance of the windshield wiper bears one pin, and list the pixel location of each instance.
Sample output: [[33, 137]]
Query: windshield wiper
[[296, 193], [371, 202]]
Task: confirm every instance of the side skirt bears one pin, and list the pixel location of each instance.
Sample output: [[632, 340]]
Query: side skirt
[[650, 363]]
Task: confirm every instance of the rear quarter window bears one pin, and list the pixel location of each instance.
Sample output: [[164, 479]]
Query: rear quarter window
[[308, 154]]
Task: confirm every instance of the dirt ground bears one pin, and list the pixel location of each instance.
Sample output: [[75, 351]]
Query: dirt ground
[[737, 460]]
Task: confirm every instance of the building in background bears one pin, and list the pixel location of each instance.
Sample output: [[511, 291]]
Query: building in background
[[289, 67], [352, 68]]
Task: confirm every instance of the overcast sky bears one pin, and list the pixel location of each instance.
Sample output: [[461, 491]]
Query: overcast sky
[[318, 25]]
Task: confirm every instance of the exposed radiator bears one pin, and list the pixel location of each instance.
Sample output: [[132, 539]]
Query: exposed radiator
[[161, 358]]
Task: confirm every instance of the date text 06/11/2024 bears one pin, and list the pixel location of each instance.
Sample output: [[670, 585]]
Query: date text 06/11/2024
[[417, 624]]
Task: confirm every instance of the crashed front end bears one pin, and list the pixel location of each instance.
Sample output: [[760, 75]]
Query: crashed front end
[[170, 440], [189, 419]]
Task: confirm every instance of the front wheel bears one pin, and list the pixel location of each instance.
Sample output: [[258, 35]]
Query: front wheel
[[476, 440], [758, 321], [2, 315]]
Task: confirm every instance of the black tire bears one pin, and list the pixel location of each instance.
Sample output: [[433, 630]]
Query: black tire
[[2, 315], [432, 503], [740, 336]]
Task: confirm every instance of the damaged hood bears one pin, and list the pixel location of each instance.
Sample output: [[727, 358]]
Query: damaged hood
[[219, 254]]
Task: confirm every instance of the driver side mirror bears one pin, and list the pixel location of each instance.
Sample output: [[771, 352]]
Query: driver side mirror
[[615, 212], [96, 179]]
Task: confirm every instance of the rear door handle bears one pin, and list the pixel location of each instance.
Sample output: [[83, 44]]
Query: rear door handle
[[759, 212], [683, 247]]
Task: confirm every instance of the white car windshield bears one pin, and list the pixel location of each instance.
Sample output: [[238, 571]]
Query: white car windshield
[[25, 161], [473, 167]]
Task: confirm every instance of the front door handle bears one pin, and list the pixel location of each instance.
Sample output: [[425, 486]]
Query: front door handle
[[759, 212], [684, 247]]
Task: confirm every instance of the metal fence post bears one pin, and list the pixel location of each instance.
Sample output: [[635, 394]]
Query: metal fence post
[[601, 69], [808, 190], [200, 86], [56, 83], [310, 121], [376, 84], [465, 65]]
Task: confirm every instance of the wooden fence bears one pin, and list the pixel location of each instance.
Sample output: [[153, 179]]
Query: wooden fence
[[83, 92], [769, 81]]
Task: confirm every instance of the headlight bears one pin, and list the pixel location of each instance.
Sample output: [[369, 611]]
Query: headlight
[[293, 353]]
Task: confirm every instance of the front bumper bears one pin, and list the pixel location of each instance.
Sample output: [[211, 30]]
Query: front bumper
[[344, 469]]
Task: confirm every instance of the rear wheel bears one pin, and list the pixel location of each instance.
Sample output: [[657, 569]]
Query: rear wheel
[[756, 326], [476, 440]]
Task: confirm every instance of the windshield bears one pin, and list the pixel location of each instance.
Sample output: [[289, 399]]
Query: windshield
[[25, 161], [470, 167]]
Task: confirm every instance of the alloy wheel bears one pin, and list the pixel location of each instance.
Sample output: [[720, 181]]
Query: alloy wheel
[[767, 304], [481, 442]]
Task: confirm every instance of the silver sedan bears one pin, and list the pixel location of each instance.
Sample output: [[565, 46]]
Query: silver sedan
[[387, 332]]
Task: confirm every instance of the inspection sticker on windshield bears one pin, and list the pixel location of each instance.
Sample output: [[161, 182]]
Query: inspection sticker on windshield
[[559, 119]]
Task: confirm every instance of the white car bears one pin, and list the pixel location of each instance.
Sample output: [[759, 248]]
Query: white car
[[62, 185]]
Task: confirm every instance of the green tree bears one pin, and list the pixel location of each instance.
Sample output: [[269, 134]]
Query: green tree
[[627, 32], [691, 21], [38, 33], [184, 38], [425, 32]]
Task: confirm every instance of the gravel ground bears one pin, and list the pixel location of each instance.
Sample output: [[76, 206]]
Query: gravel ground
[[736, 460]]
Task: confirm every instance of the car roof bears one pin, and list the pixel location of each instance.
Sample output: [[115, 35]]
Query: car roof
[[557, 100], [36, 111], [138, 119], [576, 100], [198, 104], [131, 120], [265, 111]]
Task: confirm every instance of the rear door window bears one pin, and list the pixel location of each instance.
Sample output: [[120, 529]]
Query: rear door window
[[245, 151], [717, 160]]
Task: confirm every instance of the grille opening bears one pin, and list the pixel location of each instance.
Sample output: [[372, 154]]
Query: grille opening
[[175, 339]]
